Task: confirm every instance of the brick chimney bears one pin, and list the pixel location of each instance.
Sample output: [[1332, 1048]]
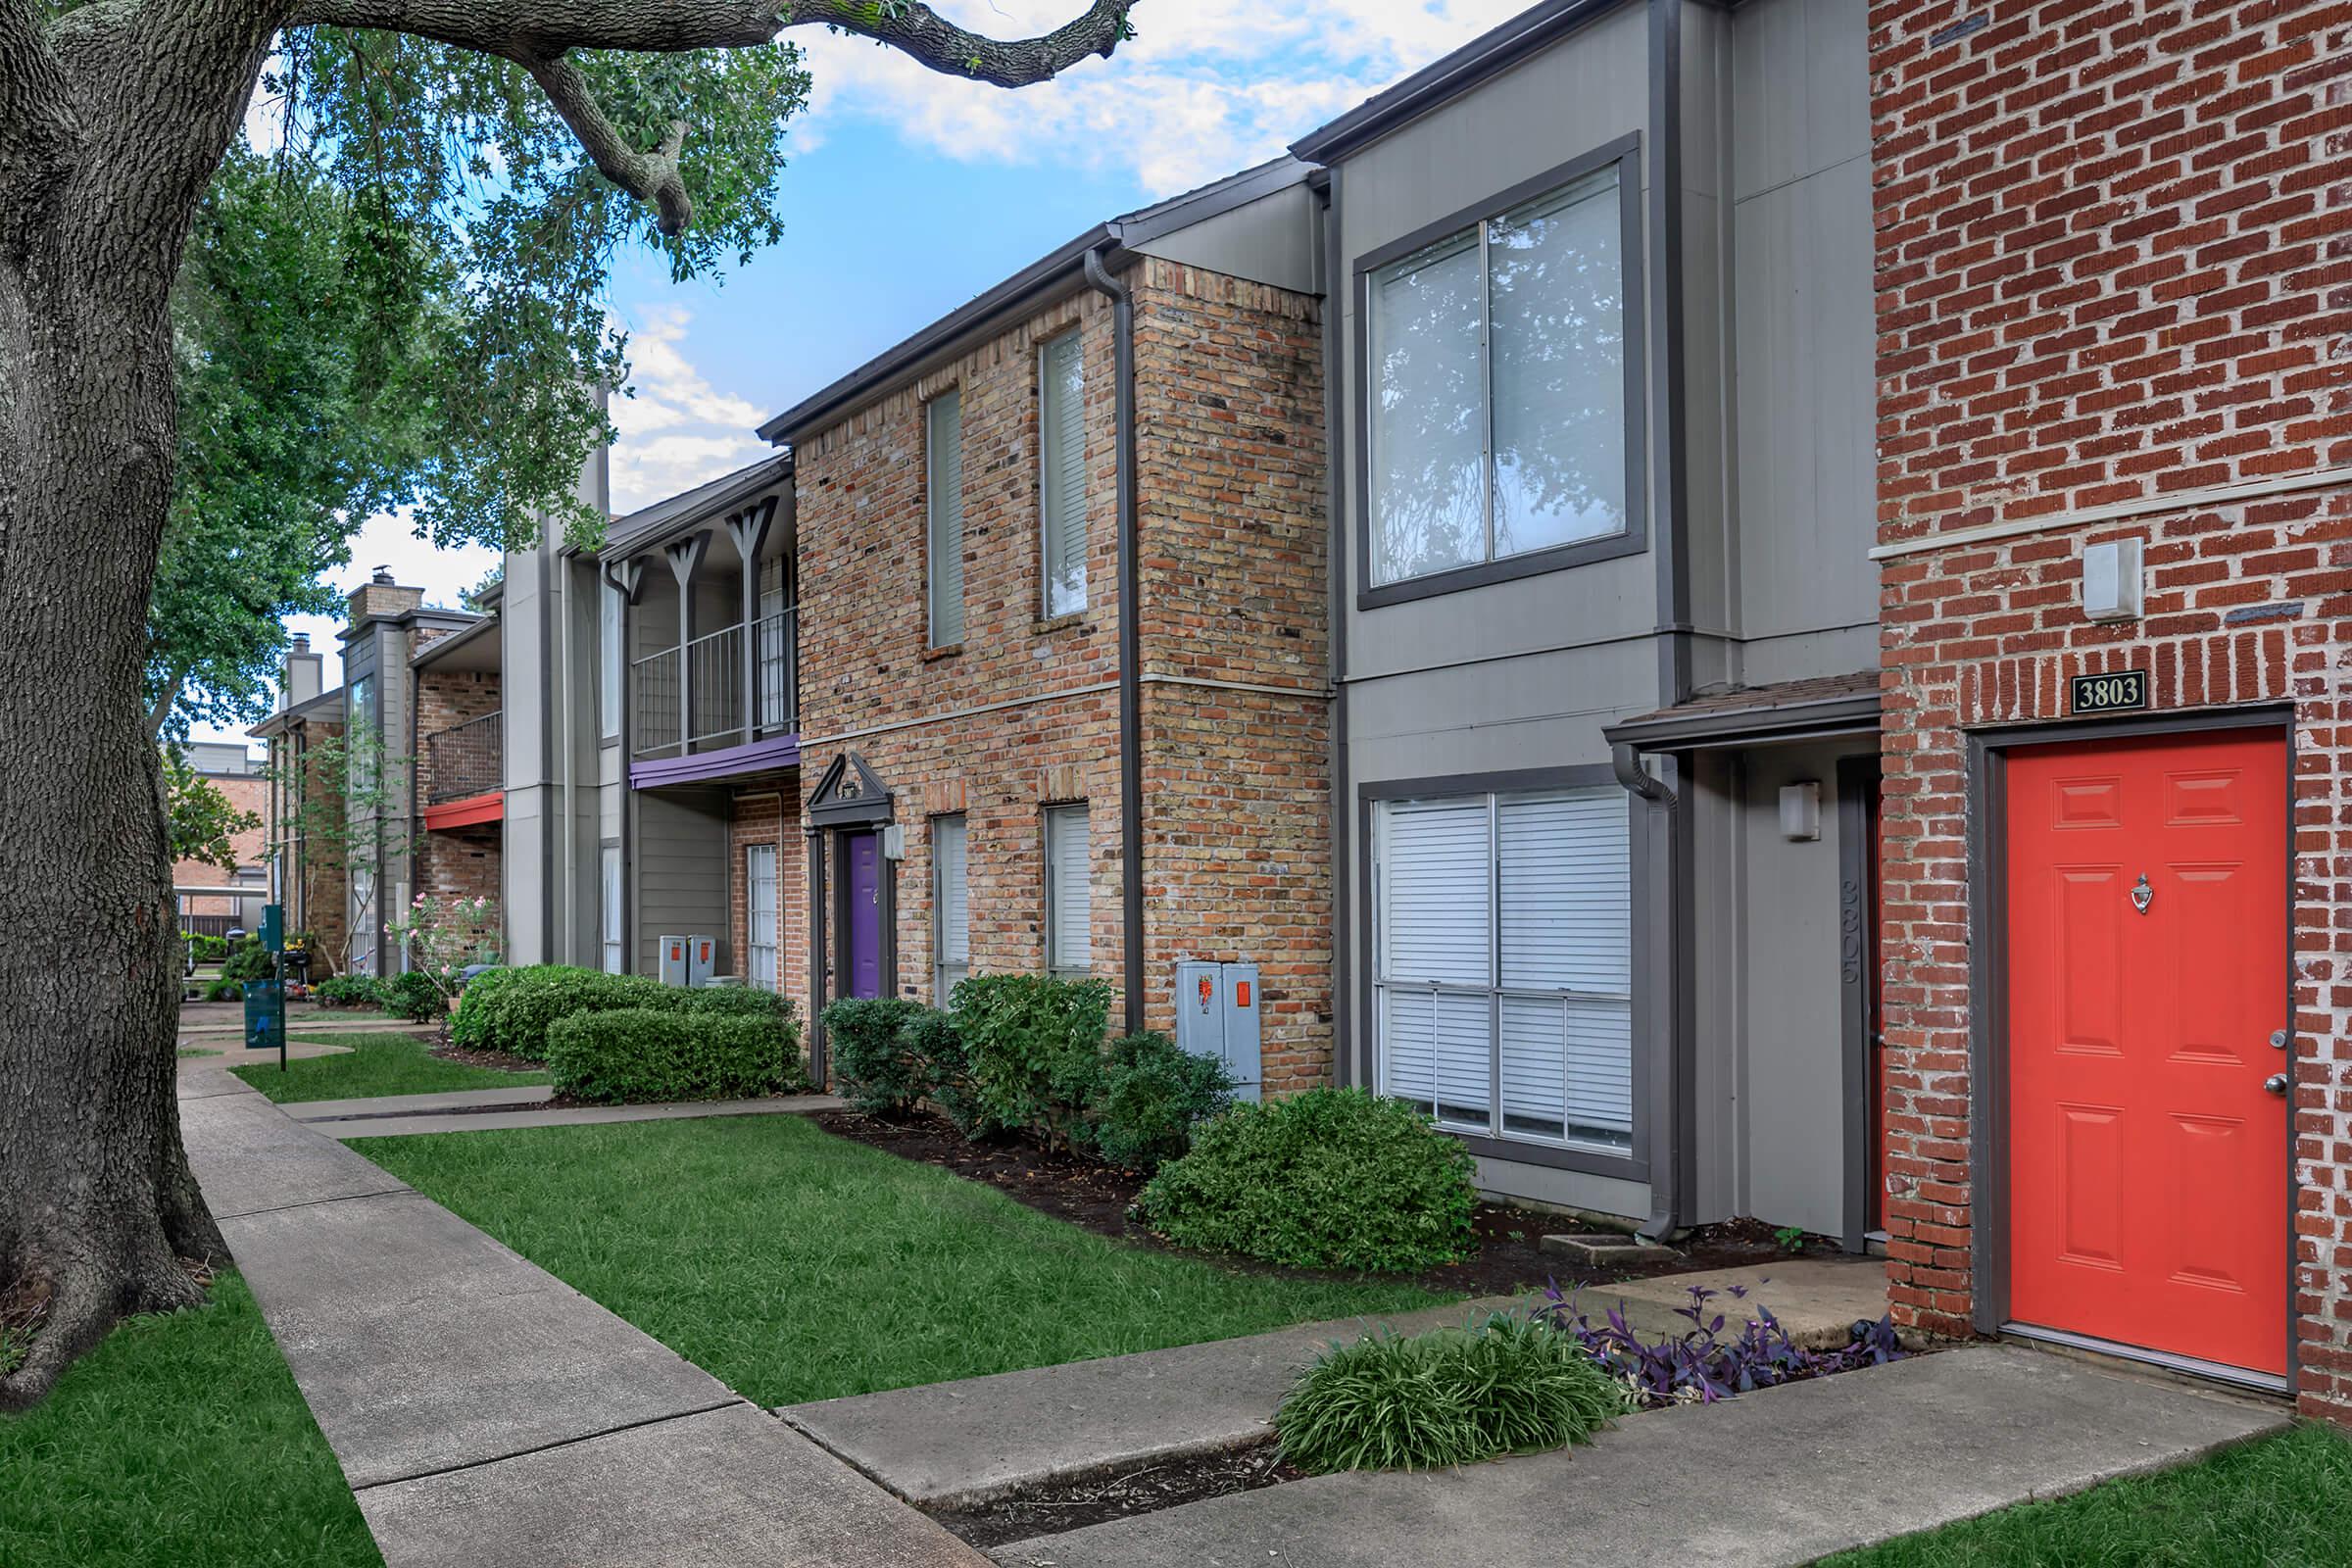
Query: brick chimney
[[379, 595]]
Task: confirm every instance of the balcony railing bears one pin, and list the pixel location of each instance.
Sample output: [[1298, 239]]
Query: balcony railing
[[464, 760], [716, 690]]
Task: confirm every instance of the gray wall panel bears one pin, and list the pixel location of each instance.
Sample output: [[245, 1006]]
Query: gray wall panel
[[1268, 241], [681, 856]]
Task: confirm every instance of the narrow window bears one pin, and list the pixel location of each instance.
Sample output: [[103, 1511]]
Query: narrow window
[[951, 912], [1061, 472], [608, 924], [1069, 942], [362, 919], [761, 909], [608, 650], [943, 491], [779, 649]]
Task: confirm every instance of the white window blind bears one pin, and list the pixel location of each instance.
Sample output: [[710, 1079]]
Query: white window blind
[[943, 490], [608, 927], [950, 910], [1503, 966], [1070, 944], [1062, 475], [761, 912], [1497, 417], [778, 647]]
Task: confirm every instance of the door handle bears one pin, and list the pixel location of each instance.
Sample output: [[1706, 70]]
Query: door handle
[[2276, 1083]]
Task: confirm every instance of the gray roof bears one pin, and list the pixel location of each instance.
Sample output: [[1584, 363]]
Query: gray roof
[[1494, 51], [647, 525], [327, 704], [1057, 269]]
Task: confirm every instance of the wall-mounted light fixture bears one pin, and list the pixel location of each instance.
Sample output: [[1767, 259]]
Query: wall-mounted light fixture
[[2114, 581], [1800, 811]]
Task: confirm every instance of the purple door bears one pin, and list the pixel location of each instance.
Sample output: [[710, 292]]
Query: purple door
[[865, 914]]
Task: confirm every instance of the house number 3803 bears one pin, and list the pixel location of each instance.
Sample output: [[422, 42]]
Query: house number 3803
[[2118, 691]]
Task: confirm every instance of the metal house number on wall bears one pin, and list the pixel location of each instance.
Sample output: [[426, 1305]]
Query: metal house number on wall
[[2143, 895]]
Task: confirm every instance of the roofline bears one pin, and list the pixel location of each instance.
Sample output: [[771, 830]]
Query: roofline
[[1035, 284], [439, 646], [621, 544], [1487, 55], [1821, 716], [303, 711]]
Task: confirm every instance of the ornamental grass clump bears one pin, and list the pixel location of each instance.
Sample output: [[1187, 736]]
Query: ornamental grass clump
[[1331, 1178], [1449, 1396]]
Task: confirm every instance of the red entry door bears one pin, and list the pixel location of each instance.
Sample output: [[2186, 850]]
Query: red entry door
[[2147, 1159]]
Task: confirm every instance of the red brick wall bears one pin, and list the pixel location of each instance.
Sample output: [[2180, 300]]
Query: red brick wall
[[1230, 483], [245, 792], [766, 817], [446, 699], [2111, 266]]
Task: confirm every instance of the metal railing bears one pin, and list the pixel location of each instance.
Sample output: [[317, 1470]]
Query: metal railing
[[465, 761], [717, 690]]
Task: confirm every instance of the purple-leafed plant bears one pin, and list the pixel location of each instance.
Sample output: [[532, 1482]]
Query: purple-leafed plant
[[1703, 1364]]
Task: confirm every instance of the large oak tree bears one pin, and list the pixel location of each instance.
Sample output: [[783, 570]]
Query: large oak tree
[[114, 117]]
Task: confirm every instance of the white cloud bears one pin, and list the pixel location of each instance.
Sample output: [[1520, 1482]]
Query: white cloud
[[1203, 89], [678, 430]]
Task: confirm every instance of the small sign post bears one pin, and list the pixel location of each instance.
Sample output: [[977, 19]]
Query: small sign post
[[2118, 691]]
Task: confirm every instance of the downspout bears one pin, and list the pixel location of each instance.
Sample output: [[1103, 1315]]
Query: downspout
[[1664, 1173], [1131, 738], [568, 951], [1335, 647], [624, 625]]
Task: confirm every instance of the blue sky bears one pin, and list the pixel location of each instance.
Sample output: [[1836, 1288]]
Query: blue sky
[[906, 193]]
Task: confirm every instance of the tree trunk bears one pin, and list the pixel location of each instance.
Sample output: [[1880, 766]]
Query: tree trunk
[[96, 1201]]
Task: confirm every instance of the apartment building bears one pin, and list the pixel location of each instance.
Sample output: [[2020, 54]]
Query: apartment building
[[242, 778], [386, 786]]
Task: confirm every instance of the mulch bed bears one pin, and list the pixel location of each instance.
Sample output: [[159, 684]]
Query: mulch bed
[[504, 1060], [1094, 1195], [1072, 1505]]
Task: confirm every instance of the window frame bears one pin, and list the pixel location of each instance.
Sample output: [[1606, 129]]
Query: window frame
[[1625, 154], [1647, 902], [1048, 860], [933, 494], [612, 908], [1046, 608], [942, 988], [771, 980], [610, 665]]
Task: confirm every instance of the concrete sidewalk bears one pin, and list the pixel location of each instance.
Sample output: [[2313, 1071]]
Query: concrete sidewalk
[[522, 1097], [958, 1444], [485, 1412], [1784, 1476]]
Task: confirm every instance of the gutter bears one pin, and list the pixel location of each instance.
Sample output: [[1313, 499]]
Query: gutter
[[1624, 760], [1131, 738], [1335, 646]]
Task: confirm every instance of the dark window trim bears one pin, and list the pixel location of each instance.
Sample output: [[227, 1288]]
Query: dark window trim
[[1633, 1165], [1987, 851], [1624, 152], [1045, 871], [1075, 327]]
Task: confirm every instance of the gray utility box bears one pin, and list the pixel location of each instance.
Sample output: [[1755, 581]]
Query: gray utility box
[[1217, 1009], [688, 960]]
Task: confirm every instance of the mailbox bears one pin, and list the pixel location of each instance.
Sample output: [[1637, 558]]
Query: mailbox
[[1218, 1008]]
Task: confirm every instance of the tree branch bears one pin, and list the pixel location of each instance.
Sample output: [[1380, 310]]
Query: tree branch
[[922, 34], [162, 710], [650, 177]]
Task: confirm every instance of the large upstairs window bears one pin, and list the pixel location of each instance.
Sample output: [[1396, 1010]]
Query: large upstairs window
[[942, 494], [1499, 393], [1061, 472]]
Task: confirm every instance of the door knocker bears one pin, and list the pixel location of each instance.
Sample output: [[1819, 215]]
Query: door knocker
[[2143, 895]]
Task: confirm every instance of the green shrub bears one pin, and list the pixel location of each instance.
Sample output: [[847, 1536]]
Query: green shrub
[[731, 1001], [638, 1054], [412, 996], [934, 1038], [1034, 1047], [471, 1025], [521, 1009], [876, 1067], [249, 960], [1152, 1093], [206, 949], [1332, 1177], [349, 990], [223, 989], [1450, 1397]]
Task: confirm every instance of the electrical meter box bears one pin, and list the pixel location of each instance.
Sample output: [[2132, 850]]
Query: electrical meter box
[[673, 961], [688, 960], [1217, 1015]]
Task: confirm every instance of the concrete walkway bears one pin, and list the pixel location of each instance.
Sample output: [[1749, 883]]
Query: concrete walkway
[[485, 1412], [957, 1444], [376, 1123], [1779, 1477], [522, 1097]]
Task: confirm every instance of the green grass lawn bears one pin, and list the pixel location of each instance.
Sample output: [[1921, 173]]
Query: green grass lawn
[[2282, 1503], [795, 1265], [376, 1064], [182, 1442]]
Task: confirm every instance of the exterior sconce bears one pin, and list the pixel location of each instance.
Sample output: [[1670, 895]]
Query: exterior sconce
[[1800, 811], [2114, 581]]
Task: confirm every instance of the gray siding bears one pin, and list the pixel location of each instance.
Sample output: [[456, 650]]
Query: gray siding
[[1272, 240], [681, 871]]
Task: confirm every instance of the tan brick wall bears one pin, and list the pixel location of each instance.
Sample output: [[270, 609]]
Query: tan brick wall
[[1230, 487], [244, 792], [766, 815], [459, 862], [316, 875], [2110, 252], [446, 699]]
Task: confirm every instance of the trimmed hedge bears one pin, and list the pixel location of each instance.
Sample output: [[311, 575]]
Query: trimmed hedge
[[1332, 1177], [512, 1010], [875, 1065], [641, 1055], [412, 996], [349, 990], [1152, 1093]]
